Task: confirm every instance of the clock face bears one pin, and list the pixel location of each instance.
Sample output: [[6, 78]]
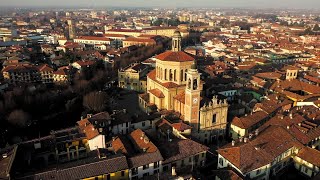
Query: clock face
[[195, 100]]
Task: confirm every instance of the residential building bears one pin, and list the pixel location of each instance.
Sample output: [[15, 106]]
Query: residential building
[[144, 158], [262, 155], [92, 40], [131, 41]]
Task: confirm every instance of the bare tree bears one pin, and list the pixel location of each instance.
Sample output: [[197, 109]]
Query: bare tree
[[95, 101], [19, 118]]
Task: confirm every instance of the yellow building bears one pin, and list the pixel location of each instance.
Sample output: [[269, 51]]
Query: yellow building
[[307, 161], [133, 77], [130, 41], [165, 31], [175, 85]]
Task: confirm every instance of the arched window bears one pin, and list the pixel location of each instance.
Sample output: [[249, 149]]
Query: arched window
[[165, 74], [189, 83], [185, 75], [181, 75], [175, 75], [157, 72], [170, 75], [195, 84]]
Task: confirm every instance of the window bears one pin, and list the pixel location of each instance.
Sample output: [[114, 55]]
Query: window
[[185, 75], [146, 166], [156, 165], [182, 162], [108, 177], [197, 157], [156, 171], [96, 178], [134, 171], [221, 161], [165, 168], [214, 118], [143, 124], [258, 171], [145, 174], [122, 173]]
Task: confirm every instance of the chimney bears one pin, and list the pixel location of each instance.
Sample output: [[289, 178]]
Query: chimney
[[173, 171], [233, 142], [241, 139], [290, 115], [250, 136], [142, 136], [257, 132], [288, 127], [245, 140]]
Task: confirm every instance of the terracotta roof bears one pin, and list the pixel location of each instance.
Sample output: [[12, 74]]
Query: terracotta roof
[[179, 56], [114, 35], [269, 75], [132, 39], [44, 67], [138, 148], [85, 63], [83, 169], [296, 85], [261, 150], [181, 126], [94, 38], [19, 68], [142, 141], [310, 155], [157, 93], [181, 97], [87, 128], [250, 120], [179, 149], [63, 72]]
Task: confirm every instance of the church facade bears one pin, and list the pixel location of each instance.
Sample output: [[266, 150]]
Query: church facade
[[175, 85]]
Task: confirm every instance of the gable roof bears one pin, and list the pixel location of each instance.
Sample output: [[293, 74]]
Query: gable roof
[[261, 150], [84, 169]]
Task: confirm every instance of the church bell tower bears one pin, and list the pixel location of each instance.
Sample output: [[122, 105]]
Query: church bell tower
[[176, 41], [192, 97]]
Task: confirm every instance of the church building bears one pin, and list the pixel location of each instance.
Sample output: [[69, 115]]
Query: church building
[[175, 85]]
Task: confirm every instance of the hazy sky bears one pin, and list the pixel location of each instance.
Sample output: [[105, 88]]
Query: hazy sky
[[166, 3]]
